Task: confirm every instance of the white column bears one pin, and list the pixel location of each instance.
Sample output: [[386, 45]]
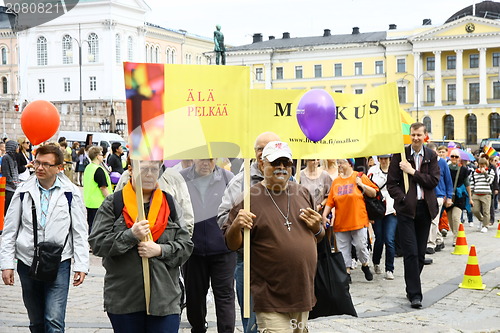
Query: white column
[[437, 79], [460, 77], [269, 75], [482, 76], [416, 83]]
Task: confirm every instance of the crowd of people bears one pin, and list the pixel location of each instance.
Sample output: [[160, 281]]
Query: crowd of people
[[190, 230]]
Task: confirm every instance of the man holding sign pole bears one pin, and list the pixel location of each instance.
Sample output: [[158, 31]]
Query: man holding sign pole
[[284, 229]]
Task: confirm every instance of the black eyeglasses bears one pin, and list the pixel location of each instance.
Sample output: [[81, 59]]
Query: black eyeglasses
[[44, 165], [285, 161], [454, 156]]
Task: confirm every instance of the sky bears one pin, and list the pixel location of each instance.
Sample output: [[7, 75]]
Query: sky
[[240, 19]]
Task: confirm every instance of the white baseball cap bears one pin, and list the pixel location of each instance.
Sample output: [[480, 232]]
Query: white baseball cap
[[276, 149]]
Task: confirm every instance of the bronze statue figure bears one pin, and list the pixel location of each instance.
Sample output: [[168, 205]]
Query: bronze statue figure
[[219, 48]]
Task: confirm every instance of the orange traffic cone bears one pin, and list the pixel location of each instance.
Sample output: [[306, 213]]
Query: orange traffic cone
[[498, 230], [472, 275], [461, 244]]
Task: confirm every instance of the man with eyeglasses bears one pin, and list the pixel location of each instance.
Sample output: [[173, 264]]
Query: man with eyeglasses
[[211, 262], [416, 208], [59, 212], [284, 229], [461, 189]]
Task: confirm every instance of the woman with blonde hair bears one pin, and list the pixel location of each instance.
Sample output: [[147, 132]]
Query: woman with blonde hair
[[24, 159], [331, 167]]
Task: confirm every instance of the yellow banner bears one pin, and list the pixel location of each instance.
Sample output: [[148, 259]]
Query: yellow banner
[[209, 111]]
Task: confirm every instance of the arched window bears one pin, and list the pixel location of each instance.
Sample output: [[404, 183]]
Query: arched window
[[41, 51], [494, 125], [4, 85], [428, 123], [67, 49], [147, 53], [172, 57], [449, 126], [157, 55], [471, 121], [130, 44], [118, 48], [4, 56], [93, 47]]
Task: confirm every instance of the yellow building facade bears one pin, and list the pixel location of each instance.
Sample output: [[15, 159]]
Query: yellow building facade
[[447, 76]]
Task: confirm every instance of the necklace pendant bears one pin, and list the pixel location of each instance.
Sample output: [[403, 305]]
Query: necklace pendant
[[287, 224]]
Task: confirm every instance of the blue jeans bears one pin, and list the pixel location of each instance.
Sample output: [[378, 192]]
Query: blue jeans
[[45, 301], [385, 232], [249, 324], [140, 322]]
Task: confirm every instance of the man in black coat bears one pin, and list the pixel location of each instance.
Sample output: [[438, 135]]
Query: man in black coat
[[416, 208]]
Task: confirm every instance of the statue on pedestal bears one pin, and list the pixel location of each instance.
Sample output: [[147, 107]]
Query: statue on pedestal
[[219, 48]]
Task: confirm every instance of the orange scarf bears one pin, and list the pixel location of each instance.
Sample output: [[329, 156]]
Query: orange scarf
[[158, 214]]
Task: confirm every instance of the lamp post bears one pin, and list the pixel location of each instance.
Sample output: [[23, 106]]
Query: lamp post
[[417, 84]]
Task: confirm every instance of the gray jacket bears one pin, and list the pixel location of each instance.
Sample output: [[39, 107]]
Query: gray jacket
[[123, 282], [17, 238]]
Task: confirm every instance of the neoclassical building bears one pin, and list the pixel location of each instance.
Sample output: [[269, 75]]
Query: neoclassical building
[[447, 75], [107, 33]]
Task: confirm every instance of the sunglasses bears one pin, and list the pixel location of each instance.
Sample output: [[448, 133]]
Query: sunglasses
[[285, 161], [454, 156]]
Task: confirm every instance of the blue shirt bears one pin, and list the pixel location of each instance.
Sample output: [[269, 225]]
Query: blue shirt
[[45, 196], [445, 186]]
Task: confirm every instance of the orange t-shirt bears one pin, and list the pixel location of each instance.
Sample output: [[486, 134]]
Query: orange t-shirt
[[349, 204]]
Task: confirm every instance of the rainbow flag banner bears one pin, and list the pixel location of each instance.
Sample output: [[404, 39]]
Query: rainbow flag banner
[[490, 151], [406, 121], [200, 111]]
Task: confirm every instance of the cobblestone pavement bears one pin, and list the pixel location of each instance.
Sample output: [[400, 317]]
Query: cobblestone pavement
[[381, 304]]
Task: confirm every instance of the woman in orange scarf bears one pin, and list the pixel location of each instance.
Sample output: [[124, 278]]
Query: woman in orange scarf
[[118, 237]]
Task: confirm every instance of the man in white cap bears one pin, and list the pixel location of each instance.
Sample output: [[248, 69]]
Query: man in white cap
[[284, 229]]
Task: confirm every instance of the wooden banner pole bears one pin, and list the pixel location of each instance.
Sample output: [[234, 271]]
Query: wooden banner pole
[[246, 243]]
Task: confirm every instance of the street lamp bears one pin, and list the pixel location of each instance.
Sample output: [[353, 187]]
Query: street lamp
[[104, 125], [417, 84], [120, 126]]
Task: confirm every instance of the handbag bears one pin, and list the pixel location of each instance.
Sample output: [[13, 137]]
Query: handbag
[[375, 207], [47, 255], [331, 283]]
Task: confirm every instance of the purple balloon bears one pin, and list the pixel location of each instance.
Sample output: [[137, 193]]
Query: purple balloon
[[316, 114]]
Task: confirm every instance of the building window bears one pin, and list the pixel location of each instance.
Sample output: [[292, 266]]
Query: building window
[[496, 90], [427, 123], [4, 85], [318, 71], [451, 62], [4, 56], [130, 46], [379, 67], [473, 93], [67, 84], [338, 69], [402, 95], [93, 48], [198, 60], [188, 59], [449, 127], [67, 49], [471, 121], [41, 51], [358, 68], [259, 74], [474, 60], [431, 63], [452, 92], [279, 73], [494, 125], [41, 86], [118, 49], [496, 59], [93, 83], [339, 91], [298, 72], [430, 94], [401, 66], [358, 91]]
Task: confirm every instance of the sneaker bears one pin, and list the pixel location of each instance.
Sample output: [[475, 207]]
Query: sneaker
[[430, 250], [471, 224], [377, 269], [368, 273], [444, 232], [389, 275], [439, 247], [484, 230]]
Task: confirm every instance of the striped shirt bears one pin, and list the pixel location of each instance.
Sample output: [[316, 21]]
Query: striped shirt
[[480, 182], [45, 196]]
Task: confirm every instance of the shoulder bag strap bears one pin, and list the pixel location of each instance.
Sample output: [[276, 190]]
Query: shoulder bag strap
[[69, 197]]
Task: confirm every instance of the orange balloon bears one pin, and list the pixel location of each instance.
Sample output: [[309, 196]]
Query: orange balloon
[[40, 121]]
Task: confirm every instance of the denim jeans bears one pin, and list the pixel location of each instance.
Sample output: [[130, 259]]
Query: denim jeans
[[45, 301], [385, 232], [249, 324], [140, 322]]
